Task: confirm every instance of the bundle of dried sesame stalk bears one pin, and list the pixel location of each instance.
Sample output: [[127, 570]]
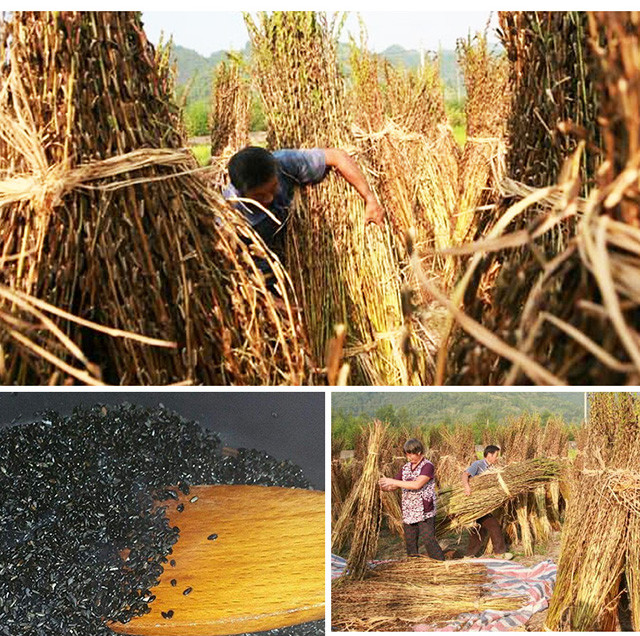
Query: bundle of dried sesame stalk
[[401, 128], [230, 102], [487, 107], [396, 596], [600, 537], [575, 257], [495, 487], [107, 223], [360, 517], [344, 272]]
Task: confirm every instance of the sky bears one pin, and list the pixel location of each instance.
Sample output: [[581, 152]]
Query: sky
[[206, 32]]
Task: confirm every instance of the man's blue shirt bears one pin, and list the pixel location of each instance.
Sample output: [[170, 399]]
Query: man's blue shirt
[[478, 467], [294, 168]]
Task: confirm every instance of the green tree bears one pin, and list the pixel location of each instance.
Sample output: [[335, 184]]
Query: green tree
[[403, 417], [257, 121], [387, 413], [196, 118]]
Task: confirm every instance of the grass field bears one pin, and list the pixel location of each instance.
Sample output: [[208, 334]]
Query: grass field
[[460, 134], [202, 153]]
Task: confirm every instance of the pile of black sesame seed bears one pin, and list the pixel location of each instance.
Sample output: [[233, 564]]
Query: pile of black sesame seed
[[77, 491]]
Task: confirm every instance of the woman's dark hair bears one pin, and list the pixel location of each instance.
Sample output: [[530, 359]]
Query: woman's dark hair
[[251, 167], [413, 446], [490, 449]]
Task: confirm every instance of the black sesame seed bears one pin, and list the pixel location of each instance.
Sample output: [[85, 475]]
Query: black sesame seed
[[212, 537], [81, 538], [180, 507], [174, 582], [188, 591]]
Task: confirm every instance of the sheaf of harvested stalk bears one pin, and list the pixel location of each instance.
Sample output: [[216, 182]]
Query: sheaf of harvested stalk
[[455, 451], [410, 153], [411, 159], [545, 127], [599, 538], [578, 272], [360, 517], [117, 264], [495, 487], [230, 107], [530, 519], [344, 272], [398, 595], [554, 443], [344, 475], [487, 107]]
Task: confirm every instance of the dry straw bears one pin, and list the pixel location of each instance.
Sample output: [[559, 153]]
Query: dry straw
[[397, 596], [409, 150], [486, 108], [564, 302], [411, 157], [455, 451], [360, 517], [344, 272], [105, 221], [495, 487], [600, 535], [530, 518], [230, 101]]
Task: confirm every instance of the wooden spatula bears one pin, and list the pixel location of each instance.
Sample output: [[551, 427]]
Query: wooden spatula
[[248, 559]]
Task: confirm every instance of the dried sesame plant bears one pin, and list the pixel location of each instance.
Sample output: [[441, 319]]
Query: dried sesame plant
[[599, 550], [398, 595], [118, 264], [230, 102], [562, 306], [344, 272]]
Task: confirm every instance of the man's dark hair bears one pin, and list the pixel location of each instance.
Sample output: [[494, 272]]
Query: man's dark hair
[[251, 167], [490, 449], [413, 446]]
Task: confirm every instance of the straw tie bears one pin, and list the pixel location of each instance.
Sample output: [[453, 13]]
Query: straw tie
[[45, 188], [622, 485]]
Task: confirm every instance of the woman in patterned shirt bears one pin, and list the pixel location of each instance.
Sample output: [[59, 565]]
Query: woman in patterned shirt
[[416, 478]]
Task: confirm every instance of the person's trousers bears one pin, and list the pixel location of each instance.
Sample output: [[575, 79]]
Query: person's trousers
[[422, 532], [488, 526]]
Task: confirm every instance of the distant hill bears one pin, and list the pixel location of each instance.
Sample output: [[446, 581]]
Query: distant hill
[[199, 69], [425, 408]]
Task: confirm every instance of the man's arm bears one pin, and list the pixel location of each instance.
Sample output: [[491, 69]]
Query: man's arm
[[351, 173]]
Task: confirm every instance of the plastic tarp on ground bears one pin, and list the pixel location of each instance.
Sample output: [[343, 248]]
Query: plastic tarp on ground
[[506, 578]]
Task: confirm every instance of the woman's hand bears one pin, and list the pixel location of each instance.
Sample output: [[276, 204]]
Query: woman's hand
[[385, 482]]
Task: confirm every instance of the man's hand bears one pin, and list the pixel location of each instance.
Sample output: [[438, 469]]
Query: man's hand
[[373, 212], [467, 489], [352, 174]]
